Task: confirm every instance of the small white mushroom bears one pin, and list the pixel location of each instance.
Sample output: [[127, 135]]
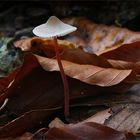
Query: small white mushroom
[[54, 27]]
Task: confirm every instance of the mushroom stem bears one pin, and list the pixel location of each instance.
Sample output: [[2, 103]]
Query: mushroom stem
[[64, 78]]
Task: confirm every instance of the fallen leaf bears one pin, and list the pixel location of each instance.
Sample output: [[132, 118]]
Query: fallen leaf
[[18, 75], [25, 136], [87, 73], [68, 51], [6, 82], [119, 64], [32, 95], [84, 131], [24, 123], [127, 52], [125, 118]]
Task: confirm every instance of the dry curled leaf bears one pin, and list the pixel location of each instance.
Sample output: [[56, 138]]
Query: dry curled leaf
[[87, 73], [45, 47], [69, 52]]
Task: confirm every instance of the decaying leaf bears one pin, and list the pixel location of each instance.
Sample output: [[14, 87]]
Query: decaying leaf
[[125, 118]]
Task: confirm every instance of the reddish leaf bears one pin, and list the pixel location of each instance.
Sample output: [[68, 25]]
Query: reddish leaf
[[75, 55], [29, 64], [5, 81], [84, 131], [24, 123], [25, 136], [128, 52], [45, 47], [35, 91]]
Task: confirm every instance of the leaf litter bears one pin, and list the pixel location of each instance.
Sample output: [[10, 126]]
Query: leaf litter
[[97, 77]]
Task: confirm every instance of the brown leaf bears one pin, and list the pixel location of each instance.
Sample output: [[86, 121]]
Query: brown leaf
[[99, 38], [127, 52], [24, 123], [87, 73], [45, 47], [119, 64], [25, 136], [84, 131], [110, 99], [35, 91], [5, 82]]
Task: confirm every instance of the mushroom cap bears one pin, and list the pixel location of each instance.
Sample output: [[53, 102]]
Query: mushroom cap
[[53, 28]]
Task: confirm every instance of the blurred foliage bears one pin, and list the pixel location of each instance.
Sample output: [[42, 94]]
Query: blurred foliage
[[10, 57], [23, 14]]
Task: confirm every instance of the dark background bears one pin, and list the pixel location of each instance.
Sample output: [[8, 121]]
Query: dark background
[[17, 15]]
